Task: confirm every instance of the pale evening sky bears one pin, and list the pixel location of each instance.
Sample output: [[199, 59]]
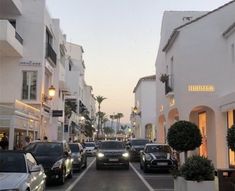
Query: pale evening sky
[[120, 39]]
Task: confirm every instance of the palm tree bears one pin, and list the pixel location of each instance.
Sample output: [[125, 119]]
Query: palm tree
[[119, 116], [99, 100], [112, 118]]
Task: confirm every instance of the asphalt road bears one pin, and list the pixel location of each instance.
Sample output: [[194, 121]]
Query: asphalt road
[[116, 179]]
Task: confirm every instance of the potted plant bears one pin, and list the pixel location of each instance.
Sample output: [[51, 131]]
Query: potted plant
[[164, 78], [231, 137], [184, 136], [197, 173]]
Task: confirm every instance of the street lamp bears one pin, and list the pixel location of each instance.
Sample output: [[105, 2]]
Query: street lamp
[[136, 111], [51, 93]]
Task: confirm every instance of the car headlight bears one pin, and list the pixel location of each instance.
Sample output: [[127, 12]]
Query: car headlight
[[100, 155], [126, 155], [57, 164], [148, 157]]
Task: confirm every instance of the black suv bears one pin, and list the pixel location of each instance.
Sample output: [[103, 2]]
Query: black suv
[[112, 153], [55, 158], [134, 147]]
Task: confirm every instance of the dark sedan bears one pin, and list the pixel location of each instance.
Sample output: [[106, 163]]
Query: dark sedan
[[134, 147], [112, 153], [79, 156], [55, 157], [157, 157]]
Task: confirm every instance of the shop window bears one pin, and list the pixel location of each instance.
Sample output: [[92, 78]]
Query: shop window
[[29, 85], [202, 126], [230, 122]]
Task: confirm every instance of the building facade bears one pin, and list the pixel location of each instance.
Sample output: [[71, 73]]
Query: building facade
[[198, 59], [144, 111], [33, 59]]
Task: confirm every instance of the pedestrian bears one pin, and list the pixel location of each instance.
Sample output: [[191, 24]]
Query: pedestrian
[[4, 142], [27, 141]]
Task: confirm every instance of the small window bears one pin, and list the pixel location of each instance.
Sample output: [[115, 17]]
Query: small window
[[29, 85]]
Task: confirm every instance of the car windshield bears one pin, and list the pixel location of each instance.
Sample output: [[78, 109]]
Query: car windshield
[[74, 148], [12, 162], [111, 145], [158, 148], [139, 142], [89, 144], [48, 149]]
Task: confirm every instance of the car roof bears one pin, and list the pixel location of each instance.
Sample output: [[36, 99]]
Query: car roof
[[156, 144]]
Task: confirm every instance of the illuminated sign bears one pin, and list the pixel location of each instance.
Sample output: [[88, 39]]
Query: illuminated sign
[[201, 88]]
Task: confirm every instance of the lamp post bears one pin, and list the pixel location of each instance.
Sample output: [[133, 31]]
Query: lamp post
[[45, 98]]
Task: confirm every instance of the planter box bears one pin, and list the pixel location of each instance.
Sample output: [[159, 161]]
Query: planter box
[[180, 184]]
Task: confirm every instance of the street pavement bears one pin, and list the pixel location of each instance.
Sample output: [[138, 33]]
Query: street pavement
[[116, 179]]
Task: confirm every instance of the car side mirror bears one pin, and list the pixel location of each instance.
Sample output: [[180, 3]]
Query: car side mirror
[[36, 168], [96, 147]]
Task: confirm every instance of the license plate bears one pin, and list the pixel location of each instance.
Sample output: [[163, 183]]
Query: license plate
[[113, 160], [162, 164]]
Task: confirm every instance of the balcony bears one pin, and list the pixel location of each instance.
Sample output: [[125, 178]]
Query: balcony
[[10, 7], [50, 54], [10, 41]]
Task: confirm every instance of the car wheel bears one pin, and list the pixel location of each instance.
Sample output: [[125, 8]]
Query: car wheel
[[98, 167], [70, 173], [145, 168], [62, 177], [85, 165]]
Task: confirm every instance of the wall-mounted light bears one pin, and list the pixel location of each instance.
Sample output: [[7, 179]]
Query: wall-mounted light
[[136, 111], [51, 93]]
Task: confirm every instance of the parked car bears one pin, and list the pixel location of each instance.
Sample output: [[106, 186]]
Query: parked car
[[134, 147], [112, 153], [90, 148], [20, 171], [55, 157], [156, 157], [79, 156]]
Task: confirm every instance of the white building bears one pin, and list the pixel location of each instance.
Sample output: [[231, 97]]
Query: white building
[[143, 116], [198, 57], [81, 93], [33, 57]]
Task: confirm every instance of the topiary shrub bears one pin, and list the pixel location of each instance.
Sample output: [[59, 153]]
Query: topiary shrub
[[231, 137], [183, 136], [197, 168]]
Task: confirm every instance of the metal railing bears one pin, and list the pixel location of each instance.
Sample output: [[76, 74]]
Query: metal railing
[[19, 38], [50, 53]]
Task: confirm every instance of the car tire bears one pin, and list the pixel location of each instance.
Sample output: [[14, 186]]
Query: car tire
[[85, 165], [70, 173], [145, 169], [98, 167], [62, 177]]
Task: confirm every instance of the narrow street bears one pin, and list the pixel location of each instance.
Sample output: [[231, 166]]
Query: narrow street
[[116, 179]]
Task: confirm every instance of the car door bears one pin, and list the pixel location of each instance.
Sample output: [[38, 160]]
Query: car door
[[82, 152], [35, 178]]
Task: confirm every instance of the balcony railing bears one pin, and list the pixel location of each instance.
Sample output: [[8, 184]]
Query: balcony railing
[[50, 53], [19, 38], [169, 84]]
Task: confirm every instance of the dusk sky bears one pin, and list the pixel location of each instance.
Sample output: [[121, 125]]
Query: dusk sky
[[120, 39]]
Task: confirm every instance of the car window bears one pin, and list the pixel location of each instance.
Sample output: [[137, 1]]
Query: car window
[[30, 161], [48, 149], [111, 145], [74, 148], [12, 162], [139, 142], [158, 148], [89, 144]]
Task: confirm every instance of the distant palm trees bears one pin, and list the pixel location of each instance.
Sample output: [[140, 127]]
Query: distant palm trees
[[99, 100]]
